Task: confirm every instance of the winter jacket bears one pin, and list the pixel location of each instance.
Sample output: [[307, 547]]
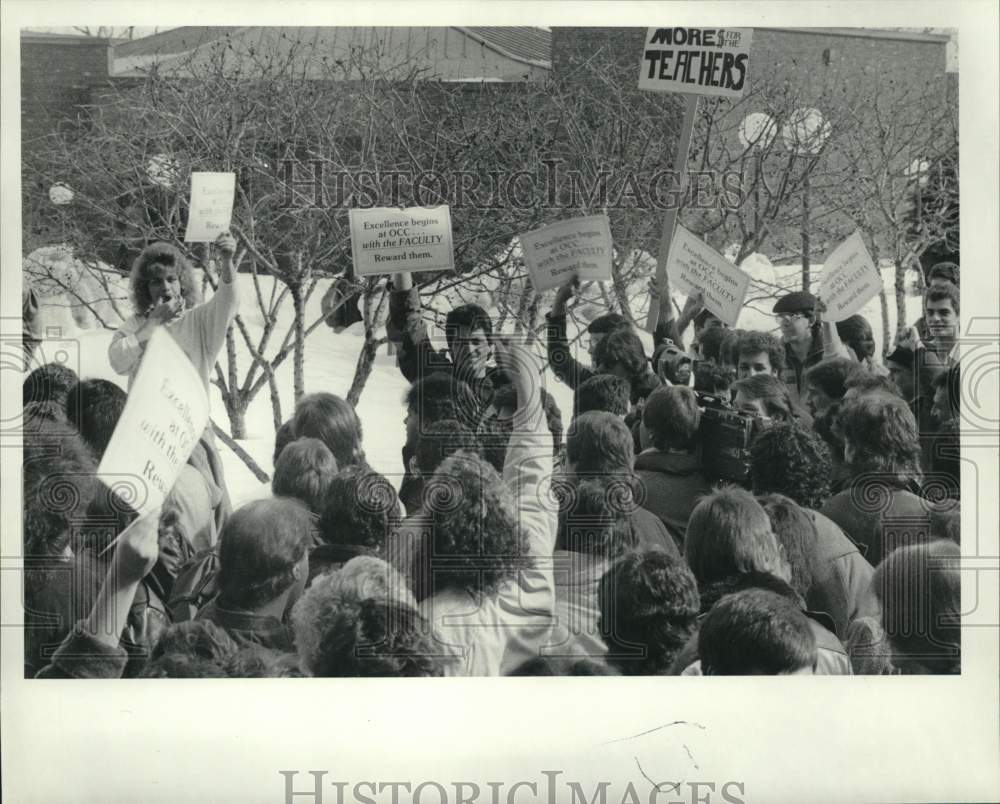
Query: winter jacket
[[648, 531], [879, 515], [673, 483], [248, 628], [81, 655], [841, 576]]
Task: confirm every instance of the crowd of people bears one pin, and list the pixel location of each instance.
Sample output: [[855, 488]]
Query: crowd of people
[[748, 503]]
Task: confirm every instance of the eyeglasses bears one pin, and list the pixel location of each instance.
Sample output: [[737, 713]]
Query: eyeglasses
[[783, 317]]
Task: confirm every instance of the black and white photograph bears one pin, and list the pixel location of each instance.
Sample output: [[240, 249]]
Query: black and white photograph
[[383, 347]]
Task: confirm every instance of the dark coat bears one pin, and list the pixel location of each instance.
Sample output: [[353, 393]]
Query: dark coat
[[249, 629], [673, 482], [879, 516]]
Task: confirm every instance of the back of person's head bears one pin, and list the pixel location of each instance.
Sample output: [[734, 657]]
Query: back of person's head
[[475, 526], [361, 620], [38, 415], [711, 378], [606, 323], [334, 422], [441, 440], [261, 548], [756, 632], [946, 292], [304, 471], [729, 347], [599, 443], [201, 639], [773, 395], [256, 661], [463, 320], [830, 375], [706, 321], [49, 383], [856, 332], [796, 535], [439, 396], [283, 436], [944, 272], [710, 343], [604, 392], [793, 460], [621, 348], [729, 534], [881, 436], [596, 518], [671, 417], [562, 666], [494, 430], [59, 483], [361, 508], [94, 408], [919, 591], [753, 342], [649, 606], [861, 382]]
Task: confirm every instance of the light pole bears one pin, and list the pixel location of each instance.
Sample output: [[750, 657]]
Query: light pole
[[804, 135]]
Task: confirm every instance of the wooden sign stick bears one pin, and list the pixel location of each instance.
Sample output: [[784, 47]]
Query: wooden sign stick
[[670, 218]]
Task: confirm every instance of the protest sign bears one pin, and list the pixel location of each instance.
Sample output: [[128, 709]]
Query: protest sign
[[692, 61], [850, 279], [387, 241], [696, 61], [211, 209], [580, 246], [165, 415], [695, 265]]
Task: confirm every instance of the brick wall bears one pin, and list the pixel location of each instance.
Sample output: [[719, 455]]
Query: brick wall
[[58, 74]]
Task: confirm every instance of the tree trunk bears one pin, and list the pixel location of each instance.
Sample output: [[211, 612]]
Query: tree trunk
[[241, 453], [363, 369], [298, 305], [806, 247], [886, 337], [236, 409], [621, 295], [900, 295]]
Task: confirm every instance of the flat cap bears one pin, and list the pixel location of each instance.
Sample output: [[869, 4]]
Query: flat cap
[[796, 302]]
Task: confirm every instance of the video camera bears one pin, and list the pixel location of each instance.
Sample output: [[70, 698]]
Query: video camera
[[725, 436]]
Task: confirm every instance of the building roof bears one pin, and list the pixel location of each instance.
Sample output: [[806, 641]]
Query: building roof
[[531, 44], [518, 46]]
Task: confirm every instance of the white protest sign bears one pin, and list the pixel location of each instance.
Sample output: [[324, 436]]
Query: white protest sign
[[211, 209], [386, 241], [695, 265], [850, 279], [165, 415], [696, 61], [580, 246]]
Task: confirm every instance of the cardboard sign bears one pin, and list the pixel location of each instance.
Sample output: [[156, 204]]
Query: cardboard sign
[[580, 246], [696, 61], [165, 415], [850, 279], [695, 265], [211, 209], [386, 241]]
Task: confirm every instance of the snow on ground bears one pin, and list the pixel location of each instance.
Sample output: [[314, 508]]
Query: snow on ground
[[330, 360]]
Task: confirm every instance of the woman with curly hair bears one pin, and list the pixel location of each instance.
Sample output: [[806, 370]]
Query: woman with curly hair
[[492, 540], [362, 620], [882, 451], [164, 293]]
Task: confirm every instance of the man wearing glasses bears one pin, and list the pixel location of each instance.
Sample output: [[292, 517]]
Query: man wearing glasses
[[801, 336]]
